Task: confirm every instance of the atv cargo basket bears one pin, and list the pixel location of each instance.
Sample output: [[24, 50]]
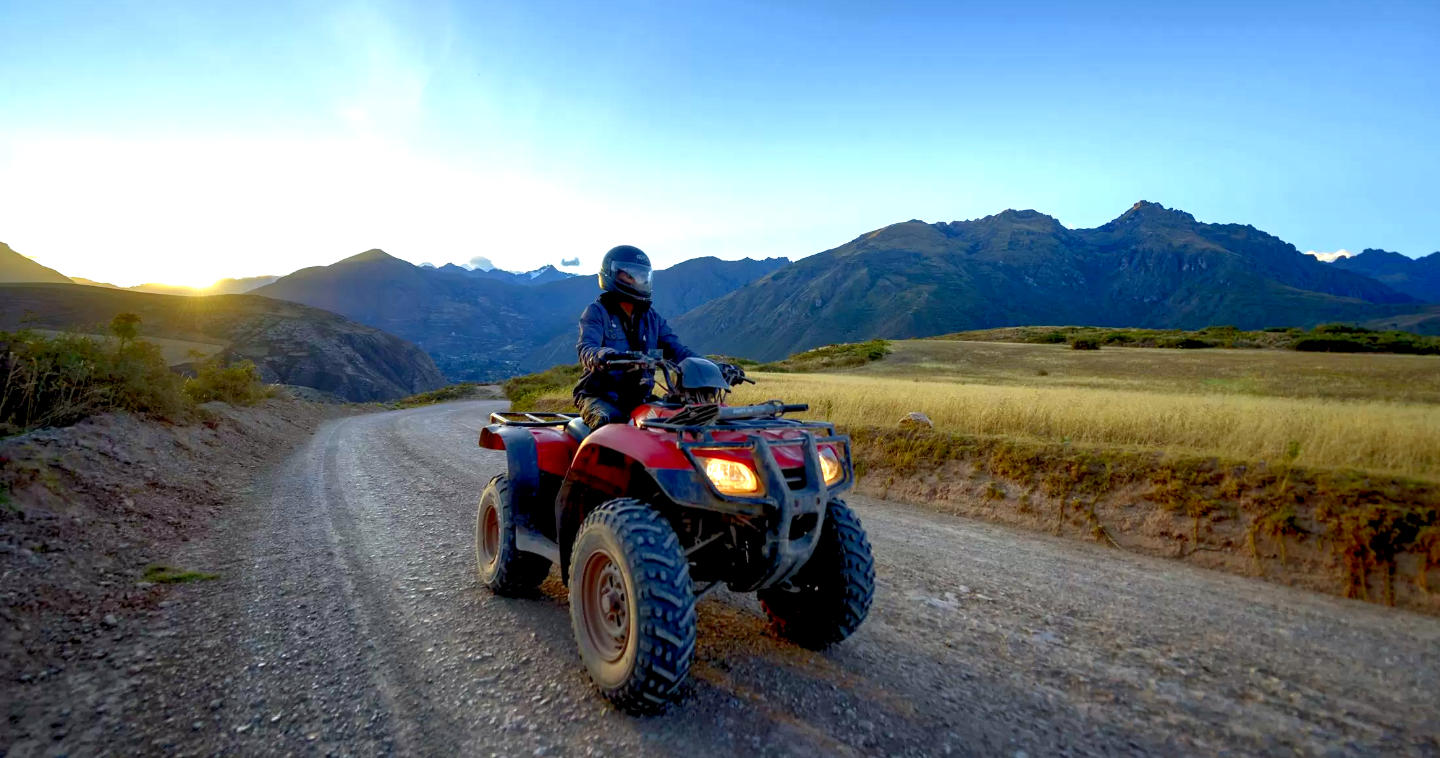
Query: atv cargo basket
[[537, 418]]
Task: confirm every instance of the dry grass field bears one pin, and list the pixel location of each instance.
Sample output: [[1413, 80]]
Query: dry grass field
[[1320, 470], [1377, 413]]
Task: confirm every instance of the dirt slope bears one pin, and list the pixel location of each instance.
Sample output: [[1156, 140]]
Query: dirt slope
[[347, 619]]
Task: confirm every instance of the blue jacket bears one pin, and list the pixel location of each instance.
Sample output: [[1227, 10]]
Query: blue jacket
[[603, 325]]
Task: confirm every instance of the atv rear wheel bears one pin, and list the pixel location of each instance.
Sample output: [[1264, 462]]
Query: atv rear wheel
[[829, 597], [632, 607], [502, 567]]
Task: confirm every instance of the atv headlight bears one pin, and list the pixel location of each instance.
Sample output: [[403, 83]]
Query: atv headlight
[[830, 466], [732, 477]]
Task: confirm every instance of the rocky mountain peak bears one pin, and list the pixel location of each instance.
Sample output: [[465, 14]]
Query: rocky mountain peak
[[373, 254], [1375, 252], [1146, 212]]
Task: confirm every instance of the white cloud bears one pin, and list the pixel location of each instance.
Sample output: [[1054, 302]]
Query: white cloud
[[1330, 257], [480, 262], [570, 262]]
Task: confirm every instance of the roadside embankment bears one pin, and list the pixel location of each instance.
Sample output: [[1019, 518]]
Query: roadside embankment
[[89, 514], [1349, 533]]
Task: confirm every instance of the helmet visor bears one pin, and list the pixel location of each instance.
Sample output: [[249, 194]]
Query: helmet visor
[[632, 278]]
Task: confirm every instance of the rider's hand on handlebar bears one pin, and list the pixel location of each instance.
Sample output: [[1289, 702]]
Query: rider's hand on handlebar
[[733, 374]]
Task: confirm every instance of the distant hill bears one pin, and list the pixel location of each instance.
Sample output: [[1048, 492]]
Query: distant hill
[[15, 267], [222, 287], [1417, 277], [482, 327], [1151, 267], [290, 343]]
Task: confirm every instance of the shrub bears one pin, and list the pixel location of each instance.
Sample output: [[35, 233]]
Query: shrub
[[1084, 343], [237, 383], [845, 355], [1330, 345], [1340, 329], [55, 381], [523, 391], [458, 391]]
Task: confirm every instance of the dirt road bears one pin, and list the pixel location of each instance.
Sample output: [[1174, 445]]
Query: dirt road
[[347, 620]]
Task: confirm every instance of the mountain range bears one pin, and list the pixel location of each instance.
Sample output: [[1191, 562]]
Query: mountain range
[[480, 327], [1151, 267], [543, 275], [1417, 277]]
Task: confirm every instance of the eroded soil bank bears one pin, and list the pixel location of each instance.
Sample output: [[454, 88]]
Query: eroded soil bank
[[1343, 533], [90, 515]]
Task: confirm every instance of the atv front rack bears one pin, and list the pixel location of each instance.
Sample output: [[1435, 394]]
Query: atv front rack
[[536, 418]]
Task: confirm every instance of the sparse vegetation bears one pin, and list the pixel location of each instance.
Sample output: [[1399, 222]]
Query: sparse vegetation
[[548, 390], [458, 391], [831, 357], [161, 574], [237, 384], [59, 379], [1336, 338]]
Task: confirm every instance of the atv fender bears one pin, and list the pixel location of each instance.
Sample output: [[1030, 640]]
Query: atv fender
[[525, 457], [614, 461]]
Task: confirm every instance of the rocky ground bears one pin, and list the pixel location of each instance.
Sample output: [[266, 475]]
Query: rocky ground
[[346, 620], [88, 509]]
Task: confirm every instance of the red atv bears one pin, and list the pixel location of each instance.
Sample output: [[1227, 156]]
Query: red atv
[[647, 517]]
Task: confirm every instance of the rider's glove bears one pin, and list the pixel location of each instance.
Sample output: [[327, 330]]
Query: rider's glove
[[733, 374], [603, 356]]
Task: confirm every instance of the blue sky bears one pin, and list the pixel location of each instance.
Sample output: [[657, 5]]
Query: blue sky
[[185, 141]]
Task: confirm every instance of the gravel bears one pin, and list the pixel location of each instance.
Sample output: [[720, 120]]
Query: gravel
[[347, 621]]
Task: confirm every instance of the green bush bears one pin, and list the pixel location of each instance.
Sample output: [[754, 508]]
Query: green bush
[[1048, 338], [458, 391], [1084, 343], [844, 355], [1340, 329], [523, 390], [55, 381], [237, 383]]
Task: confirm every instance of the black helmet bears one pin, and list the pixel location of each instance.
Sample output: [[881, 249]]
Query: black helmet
[[626, 271]]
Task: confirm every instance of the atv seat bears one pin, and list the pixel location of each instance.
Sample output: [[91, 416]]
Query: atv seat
[[578, 429]]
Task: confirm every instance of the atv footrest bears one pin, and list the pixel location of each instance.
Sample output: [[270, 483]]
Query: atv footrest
[[536, 418]]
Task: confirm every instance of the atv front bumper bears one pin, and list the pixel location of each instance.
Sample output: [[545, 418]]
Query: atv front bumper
[[791, 509]]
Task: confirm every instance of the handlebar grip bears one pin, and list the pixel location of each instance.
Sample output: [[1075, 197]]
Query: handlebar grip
[[794, 407]]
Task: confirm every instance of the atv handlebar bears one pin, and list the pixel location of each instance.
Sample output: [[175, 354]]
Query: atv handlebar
[[772, 408]]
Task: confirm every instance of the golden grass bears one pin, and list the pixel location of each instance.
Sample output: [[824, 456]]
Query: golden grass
[[1280, 373], [1390, 437]]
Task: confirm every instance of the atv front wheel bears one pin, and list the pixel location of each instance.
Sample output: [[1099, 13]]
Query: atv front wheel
[[632, 606], [828, 598], [503, 568]]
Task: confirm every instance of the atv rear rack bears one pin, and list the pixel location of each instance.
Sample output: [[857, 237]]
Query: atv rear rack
[[536, 418]]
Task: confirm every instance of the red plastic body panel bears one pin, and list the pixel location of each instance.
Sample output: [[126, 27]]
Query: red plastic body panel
[[553, 447]]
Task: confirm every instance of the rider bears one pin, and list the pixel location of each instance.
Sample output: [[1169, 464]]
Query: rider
[[620, 321]]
